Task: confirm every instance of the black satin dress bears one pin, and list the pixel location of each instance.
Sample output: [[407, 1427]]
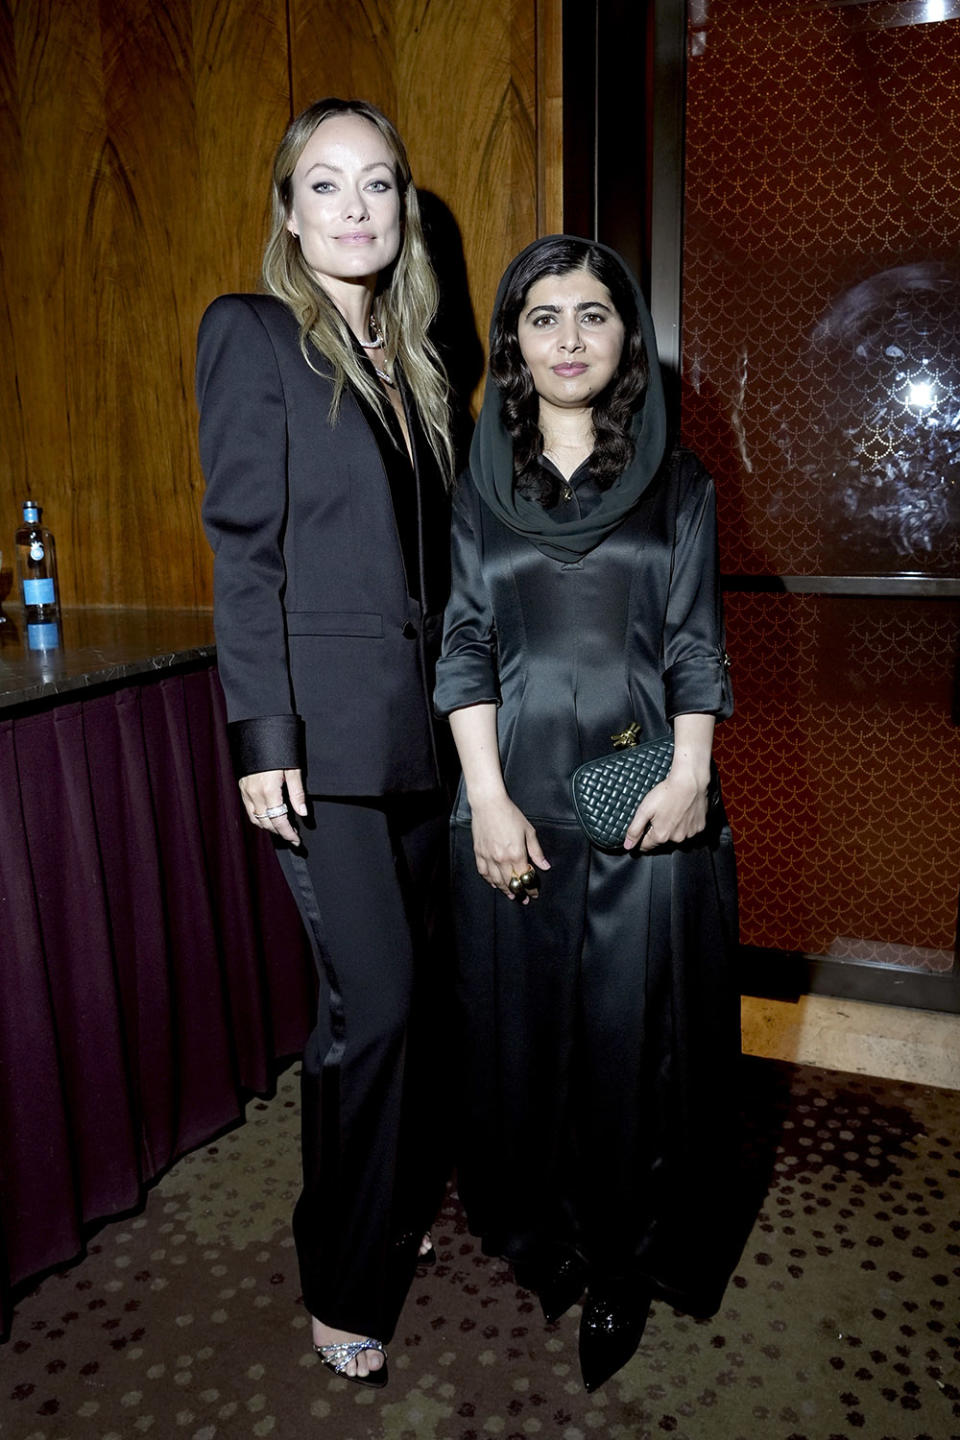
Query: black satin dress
[[600, 1024]]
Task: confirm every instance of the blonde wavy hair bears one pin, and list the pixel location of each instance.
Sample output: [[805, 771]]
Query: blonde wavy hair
[[407, 293]]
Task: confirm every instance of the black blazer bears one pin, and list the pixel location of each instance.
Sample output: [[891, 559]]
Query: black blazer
[[330, 563]]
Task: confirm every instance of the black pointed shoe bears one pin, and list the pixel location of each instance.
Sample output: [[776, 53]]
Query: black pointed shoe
[[611, 1328], [557, 1282]]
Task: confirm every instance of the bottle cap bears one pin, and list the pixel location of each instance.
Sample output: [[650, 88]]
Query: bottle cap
[[31, 511]]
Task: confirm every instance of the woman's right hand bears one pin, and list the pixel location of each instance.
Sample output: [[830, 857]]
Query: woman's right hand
[[263, 791], [505, 844]]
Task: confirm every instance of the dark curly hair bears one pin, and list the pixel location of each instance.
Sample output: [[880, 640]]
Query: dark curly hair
[[613, 408]]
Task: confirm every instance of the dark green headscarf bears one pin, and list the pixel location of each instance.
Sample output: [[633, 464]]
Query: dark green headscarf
[[491, 451]]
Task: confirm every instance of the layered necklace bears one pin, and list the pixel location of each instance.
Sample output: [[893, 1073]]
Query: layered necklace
[[377, 344]]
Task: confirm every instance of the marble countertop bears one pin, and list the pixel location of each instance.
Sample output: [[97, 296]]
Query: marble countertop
[[99, 645]]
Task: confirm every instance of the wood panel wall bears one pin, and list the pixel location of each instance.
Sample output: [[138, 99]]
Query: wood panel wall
[[135, 144]]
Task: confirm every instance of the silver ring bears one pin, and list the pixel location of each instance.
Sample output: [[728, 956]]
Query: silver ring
[[272, 812]]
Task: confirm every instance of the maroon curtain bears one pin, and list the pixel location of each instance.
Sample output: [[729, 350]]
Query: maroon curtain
[[152, 963]]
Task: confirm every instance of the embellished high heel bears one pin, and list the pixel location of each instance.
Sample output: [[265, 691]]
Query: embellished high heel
[[337, 1357]]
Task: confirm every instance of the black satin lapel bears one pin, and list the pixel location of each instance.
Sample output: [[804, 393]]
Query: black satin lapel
[[402, 483], [433, 511]]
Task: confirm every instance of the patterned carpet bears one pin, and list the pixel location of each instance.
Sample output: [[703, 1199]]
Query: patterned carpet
[[841, 1322]]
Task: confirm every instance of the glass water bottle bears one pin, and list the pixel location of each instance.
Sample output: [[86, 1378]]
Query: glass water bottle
[[37, 573]]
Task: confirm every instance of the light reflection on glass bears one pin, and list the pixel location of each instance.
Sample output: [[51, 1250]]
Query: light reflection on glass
[[892, 14], [877, 434], [921, 393]]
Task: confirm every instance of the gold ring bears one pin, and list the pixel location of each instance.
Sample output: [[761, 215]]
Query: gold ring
[[515, 885], [530, 879]]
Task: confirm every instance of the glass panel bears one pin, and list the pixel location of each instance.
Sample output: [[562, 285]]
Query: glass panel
[[821, 321], [821, 385]]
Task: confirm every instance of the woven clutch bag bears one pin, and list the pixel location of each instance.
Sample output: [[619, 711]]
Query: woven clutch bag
[[607, 791]]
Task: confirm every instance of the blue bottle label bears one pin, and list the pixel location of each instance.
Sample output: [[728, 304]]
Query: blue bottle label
[[43, 637], [38, 592]]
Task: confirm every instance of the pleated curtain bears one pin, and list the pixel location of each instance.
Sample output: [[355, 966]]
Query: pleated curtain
[[152, 964]]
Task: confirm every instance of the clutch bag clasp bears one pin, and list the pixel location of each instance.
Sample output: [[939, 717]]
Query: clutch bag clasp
[[626, 738]]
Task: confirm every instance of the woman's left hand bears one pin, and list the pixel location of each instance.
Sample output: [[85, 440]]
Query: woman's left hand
[[676, 809], [672, 811]]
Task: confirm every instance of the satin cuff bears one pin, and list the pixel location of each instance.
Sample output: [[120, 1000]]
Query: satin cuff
[[464, 680], [267, 742], [698, 687]]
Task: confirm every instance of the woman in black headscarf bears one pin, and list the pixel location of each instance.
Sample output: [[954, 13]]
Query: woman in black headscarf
[[601, 1013]]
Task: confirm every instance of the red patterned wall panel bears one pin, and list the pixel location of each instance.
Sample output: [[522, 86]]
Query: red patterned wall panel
[[821, 373], [840, 772]]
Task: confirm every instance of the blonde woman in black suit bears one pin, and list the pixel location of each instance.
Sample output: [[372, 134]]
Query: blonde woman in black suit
[[324, 437]]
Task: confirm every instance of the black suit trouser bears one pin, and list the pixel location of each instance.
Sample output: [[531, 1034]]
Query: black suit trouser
[[369, 878]]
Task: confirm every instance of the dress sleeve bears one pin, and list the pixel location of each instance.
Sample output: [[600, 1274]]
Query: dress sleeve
[[243, 447], [467, 668], [696, 670]]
